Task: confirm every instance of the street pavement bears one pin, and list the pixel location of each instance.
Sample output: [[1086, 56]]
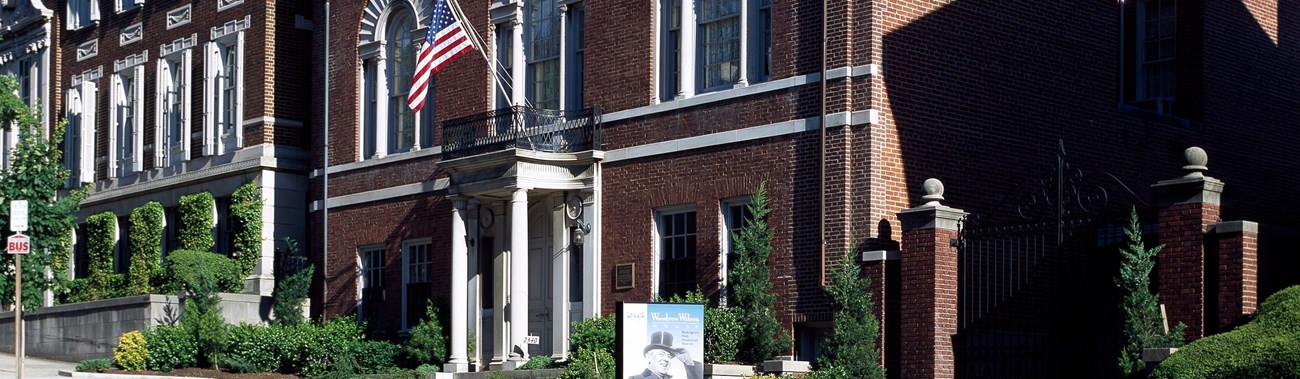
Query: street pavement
[[33, 368]]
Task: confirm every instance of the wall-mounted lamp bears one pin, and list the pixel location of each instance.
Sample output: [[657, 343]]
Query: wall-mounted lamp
[[469, 241], [578, 232]]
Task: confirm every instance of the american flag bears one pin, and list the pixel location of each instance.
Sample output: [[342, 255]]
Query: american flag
[[446, 42]]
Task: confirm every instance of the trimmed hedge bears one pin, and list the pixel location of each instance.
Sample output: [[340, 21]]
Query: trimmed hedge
[[146, 248], [170, 347], [197, 221], [100, 240], [1267, 347], [183, 264], [246, 213]]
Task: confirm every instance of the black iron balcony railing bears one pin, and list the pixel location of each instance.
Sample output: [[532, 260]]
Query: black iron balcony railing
[[519, 127]]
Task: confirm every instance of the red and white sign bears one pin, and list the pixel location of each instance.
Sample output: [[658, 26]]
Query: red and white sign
[[18, 244]]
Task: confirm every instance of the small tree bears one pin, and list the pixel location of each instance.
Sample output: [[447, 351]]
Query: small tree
[[1143, 323], [751, 286], [36, 174], [146, 248], [851, 348], [202, 317], [292, 284], [427, 345]]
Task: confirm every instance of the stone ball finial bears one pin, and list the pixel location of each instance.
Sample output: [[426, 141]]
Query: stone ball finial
[[1196, 160], [933, 191]]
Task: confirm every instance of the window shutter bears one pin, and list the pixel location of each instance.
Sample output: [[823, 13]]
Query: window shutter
[[69, 22], [94, 10], [211, 65], [137, 118], [162, 82], [186, 73], [238, 122], [72, 111], [114, 98], [87, 156]]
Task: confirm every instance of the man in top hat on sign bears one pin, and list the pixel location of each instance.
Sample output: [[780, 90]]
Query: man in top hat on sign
[[659, 354]]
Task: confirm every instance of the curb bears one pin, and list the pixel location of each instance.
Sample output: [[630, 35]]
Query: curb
[[98, 375]]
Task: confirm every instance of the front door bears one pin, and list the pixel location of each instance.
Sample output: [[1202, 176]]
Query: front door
[[539, 278]]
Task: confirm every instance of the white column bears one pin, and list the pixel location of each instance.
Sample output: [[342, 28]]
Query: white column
[[744, 44], [560, 279], [475, 303], [591, 251], [381, 105], [564, 57], [519, 272], [517, 66], [686, 81], [459, 298]]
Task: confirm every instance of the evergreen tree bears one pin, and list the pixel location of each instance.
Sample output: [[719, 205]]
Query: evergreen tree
[[852, 346], [1143, 323], [35, 174], [751, 286]]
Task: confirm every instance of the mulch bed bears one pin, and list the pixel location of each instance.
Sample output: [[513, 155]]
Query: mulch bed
[[206, 373]]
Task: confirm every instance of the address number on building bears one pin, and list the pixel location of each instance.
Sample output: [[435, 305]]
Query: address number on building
[[532, 340]]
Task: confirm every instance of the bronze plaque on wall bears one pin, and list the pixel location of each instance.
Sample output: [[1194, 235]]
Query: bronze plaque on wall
[[625, 276]]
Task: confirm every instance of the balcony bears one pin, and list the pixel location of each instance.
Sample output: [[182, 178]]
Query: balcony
[[519, 127]]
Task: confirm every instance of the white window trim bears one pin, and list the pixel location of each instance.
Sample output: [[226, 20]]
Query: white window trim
[[688, 45], [86, 160], [162, 137], [212, 144], [362, 275], [374, 56], [656, 237], [137, 125], [518, 23], [73, 23], [406, 274]]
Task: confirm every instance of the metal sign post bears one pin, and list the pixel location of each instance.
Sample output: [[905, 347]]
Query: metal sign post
[[18, 245]]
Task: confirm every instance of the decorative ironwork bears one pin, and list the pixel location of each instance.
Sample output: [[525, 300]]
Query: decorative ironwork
[[518, 127]]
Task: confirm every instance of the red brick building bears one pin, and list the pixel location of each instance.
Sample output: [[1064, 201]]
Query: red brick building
[[169, 98], [641, 127]]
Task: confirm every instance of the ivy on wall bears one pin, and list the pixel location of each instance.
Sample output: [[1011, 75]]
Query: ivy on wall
[[197, 221], [146, 247], [100, 238], [246, 214]]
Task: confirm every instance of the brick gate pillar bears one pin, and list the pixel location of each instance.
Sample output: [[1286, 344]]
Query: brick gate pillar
[[1188, 206], [1237, 266], [929, 287]]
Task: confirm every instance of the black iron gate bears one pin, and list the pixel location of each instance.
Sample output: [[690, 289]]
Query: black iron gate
[[1036, 297]]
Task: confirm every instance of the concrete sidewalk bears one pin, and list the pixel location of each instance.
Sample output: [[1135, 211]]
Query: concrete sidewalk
[[34, 368]]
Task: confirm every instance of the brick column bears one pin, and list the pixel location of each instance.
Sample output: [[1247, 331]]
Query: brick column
[[1237, 270], [1188, 206], [929, 287]]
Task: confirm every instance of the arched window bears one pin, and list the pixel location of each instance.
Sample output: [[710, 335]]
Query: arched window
[[390, 42]]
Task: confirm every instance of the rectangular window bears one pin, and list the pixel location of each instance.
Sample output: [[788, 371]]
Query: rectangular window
[[764, 43], [80, 253], [735, 216], [371, 282], [72, 113], [225, 227], [418, 282], [676, 252], [122, 255], [576, 65], [671, 54], [172, 114], [25, 81], [171, 222], [126, 137], [504, 64], [223, 131], [719, 33], [82, 13], [79, 139], [1157, 54], [544, 54], [126, 5]]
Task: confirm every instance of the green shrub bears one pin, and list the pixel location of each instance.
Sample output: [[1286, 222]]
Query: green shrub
[[722, 330], [852, 346], [427, 344], [330, 346], [95, 365], [246, 217], [590, 364], [131, 352], [256, 348], [146, 248], [374, 357], [426, 369], [202, 317], [593, 334], [170, 347], [100, 241], [828, 373], [539, 362], [195, 229], [1143, 323], [292, 284], [183, 267], [1266, 347], [751, 286]]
